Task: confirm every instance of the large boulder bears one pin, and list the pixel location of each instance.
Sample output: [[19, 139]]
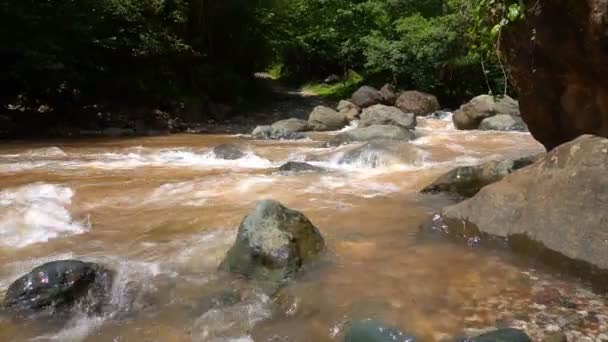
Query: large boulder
[[349, 109], [471, 114], [366, 96], [326, 119], [557, 61], [417, 102], [559, 202], [373, 331], [272, 244], [389, 94], [466, 181], [385, 115], [60, 285], [503, 122], [373, 133], [228, 152]]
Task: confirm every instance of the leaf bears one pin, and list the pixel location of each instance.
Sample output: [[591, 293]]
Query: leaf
[[495, 31], [514, 12]]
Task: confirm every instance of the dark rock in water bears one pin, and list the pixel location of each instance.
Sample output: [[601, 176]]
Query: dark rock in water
[[466, 181], [471, 114], [439, 114], [373, 133], [326, 119], [501, 335], [373, 331], [272, 244], [270, 133], [299, 167], [503, 122], [389, 94], [417, 102], [386, 115], [559, 202], [228, 152], [557, 62], [331, 79], [366, 96], [60, 285]]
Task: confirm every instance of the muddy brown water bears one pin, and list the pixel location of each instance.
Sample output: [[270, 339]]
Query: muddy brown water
[[163, 211]]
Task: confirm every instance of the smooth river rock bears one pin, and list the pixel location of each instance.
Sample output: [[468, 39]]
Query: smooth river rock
[[272, 244], [382, 153], [559, 203], [60, 285], [558, 61], [387, 115], [326, 119], [366, 96], [471, 114], [228, 152], [417, 102], [373, 133], [466, 181], [299, 167], [503, 122]]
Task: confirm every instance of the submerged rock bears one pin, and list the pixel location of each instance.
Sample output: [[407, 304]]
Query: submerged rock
[[366, 96], [417, 102], [501, 335], [558, 203], [466, 181], [379, 153], [299, 167], [272, 244], [386, 115], [228, 152], [326, 119], [60, 285], [373, 133], [374, 331], [470, 115], [503, 122]]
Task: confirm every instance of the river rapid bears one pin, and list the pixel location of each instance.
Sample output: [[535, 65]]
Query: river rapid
[[163, 211]]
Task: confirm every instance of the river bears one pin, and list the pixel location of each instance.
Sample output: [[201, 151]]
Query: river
[[163, 211]]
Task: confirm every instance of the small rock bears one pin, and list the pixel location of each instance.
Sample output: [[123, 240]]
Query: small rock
[[228, 152], [299, 167]]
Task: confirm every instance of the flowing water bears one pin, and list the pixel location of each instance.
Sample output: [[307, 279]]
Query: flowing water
[[163, 211]]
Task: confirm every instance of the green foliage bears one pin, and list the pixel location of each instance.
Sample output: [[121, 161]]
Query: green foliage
[[339, 90]]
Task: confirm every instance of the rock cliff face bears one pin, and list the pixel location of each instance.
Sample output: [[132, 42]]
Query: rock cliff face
[[558, 61]]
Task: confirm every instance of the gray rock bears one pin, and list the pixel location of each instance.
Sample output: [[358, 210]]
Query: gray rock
[[372, 133], [326, 119], [291, 126], [470, 115], [272, 244], [60, 285], [417, 102], [466, 181], [503, 122], [331, 79], [389, 94], [382, 153], [228, 152], [385, 115], [366, 96], [269, 133], [299, 167], [559, 202], [374, 331]]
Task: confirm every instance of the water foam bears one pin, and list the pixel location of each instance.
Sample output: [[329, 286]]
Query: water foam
[[36, 213]]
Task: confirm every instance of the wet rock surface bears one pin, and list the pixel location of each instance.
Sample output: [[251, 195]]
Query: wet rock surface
[[417, 102], [60, 285], [373, 133], [272, 244], [374, 331], [553, 203], [503, 122], [471, 114], [326, 119], [228, 152], [386, 115], [299, 167]]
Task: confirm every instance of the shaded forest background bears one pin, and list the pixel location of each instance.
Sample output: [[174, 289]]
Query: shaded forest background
[[69, 61]]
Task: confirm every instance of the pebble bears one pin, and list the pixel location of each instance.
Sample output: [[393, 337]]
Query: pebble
[[552, 328]]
